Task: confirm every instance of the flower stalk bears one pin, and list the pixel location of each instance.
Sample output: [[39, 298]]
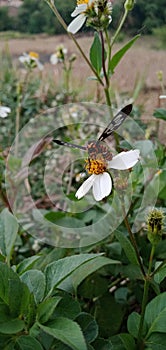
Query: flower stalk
[[140, 344], [154, 225], [133, 241], [60, 19]]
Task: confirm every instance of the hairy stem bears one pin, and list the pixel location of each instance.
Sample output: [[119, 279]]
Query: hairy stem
[[119, 27], [133, 241], [140, 344], [60, 19]]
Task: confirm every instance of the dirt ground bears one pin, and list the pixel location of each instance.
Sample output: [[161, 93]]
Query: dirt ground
[[136, 71]]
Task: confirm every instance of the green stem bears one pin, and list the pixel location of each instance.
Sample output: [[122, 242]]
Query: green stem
[[60, 19], [108, 51], [133, 241], [140, 344], [103, 61], [67, 71], [119, 28], [18, 113]]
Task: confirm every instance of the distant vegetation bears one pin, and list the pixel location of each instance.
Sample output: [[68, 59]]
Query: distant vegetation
[[34, 16]]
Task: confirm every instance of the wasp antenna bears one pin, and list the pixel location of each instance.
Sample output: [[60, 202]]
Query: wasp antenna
[[58, 142]]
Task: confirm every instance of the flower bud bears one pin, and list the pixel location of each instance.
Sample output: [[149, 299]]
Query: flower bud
[[72, 58], [160, 75], [155, 225], [129, 4]]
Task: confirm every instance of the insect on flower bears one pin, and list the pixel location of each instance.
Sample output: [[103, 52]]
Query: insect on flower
[[100, 159]]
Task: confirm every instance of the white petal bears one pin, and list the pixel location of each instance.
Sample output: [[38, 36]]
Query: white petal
[[124, 160], [4, 111], [102, 186], [76, 24], [3, 114], [85, 187], [54, 58], [79, 9], [40, 65]]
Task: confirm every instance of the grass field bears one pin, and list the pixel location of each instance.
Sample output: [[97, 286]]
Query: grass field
[[137, 70]]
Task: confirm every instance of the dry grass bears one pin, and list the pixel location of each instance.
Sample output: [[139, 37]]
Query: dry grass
[[141, 64]]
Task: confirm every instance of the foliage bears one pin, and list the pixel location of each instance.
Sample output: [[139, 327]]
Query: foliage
[[6, 21], [35, 17], [160, 33]]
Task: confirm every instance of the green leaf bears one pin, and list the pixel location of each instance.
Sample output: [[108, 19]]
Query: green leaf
[[155, 314], [8, 232], [102, 344], [123, 341], [88, 268], [121, 295], [94, 286], [13, 292], [68, 307], [29, 343], [12, 326], [35, 280], [161, 274], [133, 324], [127, 246], [63, 220], [96, 54], [109, 315], [67, 331], [160, 113], [156, 341], [88, 326], [57, 271], [119, 54], [27, 264], [46, 309]]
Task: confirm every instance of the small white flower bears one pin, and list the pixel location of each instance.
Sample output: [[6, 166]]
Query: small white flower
[[31, 60], [59, 55], [80, 12], [4, 111], [101, 183], [162, 96]]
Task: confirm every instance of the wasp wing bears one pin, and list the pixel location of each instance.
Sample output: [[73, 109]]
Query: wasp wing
[[116, 122], [68, 144]]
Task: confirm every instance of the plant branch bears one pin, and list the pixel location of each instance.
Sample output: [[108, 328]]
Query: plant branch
[[133, 241], [119, 28], [140, 344], [60, 19]]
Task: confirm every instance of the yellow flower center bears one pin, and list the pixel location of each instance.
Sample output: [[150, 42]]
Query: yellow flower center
[[95, 166], [80, 2], [33, 54]]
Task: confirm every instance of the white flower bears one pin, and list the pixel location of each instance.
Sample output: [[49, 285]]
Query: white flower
[[97, 13], [162, 96], [59, 55], [101, 183], [31, 60], [4, 111], [80, 12]]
